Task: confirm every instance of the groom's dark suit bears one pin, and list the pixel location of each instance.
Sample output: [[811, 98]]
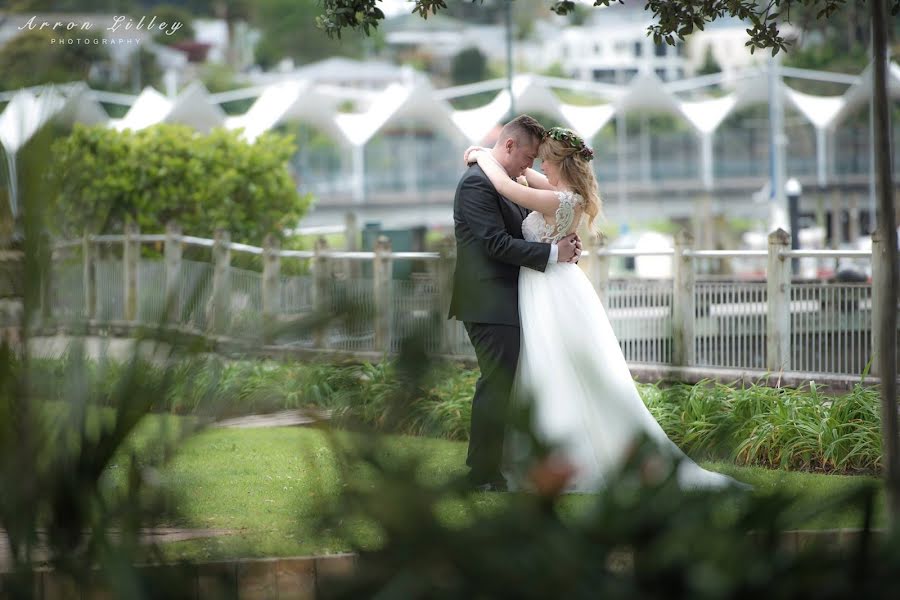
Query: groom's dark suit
[[489, 252]]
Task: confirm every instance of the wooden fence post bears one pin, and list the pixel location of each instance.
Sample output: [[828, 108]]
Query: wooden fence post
[[89, 266], [444, 287], [173, 272], [853, 224], [217, 315], [46, 279], [351, 244], [383, 271], [321, 292], [879, 300], [683, 301], [271, 286], [598, 264], [820, 211], [778, 317], [836, 228], [131, 256]]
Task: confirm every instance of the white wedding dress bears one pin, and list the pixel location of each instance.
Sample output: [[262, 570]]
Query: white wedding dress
[[571, 368]]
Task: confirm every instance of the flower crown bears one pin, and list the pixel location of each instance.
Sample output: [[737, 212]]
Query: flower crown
[[570, 138]]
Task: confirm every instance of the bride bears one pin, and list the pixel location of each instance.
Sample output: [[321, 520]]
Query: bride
[[584, 401]]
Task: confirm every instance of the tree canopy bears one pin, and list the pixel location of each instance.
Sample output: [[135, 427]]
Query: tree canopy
[[31, 58], [673, 20]]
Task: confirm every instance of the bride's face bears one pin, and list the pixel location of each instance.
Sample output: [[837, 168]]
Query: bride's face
[[551, 170]]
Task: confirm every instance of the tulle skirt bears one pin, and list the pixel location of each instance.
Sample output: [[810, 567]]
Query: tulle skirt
[[582, 396]]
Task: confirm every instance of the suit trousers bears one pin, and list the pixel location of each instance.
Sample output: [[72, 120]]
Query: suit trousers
[[497, 350]]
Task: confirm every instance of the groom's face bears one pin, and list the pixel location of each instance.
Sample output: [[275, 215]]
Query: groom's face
[[521, 156]]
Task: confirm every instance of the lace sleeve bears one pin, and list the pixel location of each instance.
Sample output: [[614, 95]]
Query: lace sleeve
[[565, 214]]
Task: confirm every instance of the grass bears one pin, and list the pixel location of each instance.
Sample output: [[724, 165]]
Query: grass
[[269, 485]]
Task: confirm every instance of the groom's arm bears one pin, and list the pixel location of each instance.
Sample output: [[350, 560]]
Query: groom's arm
[[479, 209]]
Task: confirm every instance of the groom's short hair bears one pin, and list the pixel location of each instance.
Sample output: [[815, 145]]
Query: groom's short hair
[[524, 129]]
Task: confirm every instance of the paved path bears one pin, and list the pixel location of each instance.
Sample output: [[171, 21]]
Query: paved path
[[285, 418]]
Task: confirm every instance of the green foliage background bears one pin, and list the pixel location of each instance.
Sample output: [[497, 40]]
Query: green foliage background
[[32, 58], [170, 172]]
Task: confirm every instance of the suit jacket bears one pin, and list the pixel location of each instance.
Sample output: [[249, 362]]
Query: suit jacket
[[489, 251]]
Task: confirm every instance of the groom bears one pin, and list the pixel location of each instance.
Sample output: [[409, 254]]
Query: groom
[[489, 251]]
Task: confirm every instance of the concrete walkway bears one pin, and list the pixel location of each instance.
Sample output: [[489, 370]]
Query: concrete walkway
[[285, 418]]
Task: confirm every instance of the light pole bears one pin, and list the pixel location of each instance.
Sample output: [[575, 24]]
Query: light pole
[[509, 59], [777, 142], [793, 189]]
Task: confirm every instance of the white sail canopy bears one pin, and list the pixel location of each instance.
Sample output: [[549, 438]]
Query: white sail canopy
[[414, 100]]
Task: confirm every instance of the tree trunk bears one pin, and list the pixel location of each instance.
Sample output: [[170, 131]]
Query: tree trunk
[[231, 48], [887, 228]]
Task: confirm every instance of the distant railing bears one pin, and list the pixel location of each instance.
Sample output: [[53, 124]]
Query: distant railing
[[776, 324]]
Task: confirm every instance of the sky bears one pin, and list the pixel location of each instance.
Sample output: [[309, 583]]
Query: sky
[[391, 8]]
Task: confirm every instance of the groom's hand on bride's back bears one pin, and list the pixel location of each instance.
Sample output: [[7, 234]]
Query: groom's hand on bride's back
[[569, 248]]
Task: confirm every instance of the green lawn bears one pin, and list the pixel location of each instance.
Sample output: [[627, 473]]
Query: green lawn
[[269, 484]]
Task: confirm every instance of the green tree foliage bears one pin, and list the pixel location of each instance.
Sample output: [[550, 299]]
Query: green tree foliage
[[37, 56], [76, 487], [220, 77], [579, 15], [290, 31], [230, 11], [165, 172], [481, 13], [710, 64], [839, 43], [671, 20], [75, 6], [469, 66], [170, 14]]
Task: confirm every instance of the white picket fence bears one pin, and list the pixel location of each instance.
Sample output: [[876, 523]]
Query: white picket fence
[[774, 323]]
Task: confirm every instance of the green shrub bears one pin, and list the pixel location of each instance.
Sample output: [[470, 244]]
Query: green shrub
[[792, 428], [164, 172]]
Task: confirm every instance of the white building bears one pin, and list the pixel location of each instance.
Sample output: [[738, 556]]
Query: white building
[[441, 38], [614, 52], [339, 71], [613, 46], [215, 33], [728, 41]]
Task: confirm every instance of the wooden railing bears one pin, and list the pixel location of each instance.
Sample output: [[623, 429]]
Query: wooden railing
[[777, 324]]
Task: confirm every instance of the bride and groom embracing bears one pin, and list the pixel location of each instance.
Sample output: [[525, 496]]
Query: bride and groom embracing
[[537, 325]]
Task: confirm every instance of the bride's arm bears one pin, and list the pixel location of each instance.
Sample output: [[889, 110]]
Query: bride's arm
[[538, 180], [535, 179], [543, 201]]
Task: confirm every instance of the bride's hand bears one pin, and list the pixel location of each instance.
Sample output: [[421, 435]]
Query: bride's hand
[[469, 154]]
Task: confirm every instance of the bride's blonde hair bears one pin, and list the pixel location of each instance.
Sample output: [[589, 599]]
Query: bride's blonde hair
[[568, 150]]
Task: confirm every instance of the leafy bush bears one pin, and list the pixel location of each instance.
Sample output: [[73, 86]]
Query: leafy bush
[[164, 172], [797, 429], [37, 57], [800, 429], [639, 537]]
